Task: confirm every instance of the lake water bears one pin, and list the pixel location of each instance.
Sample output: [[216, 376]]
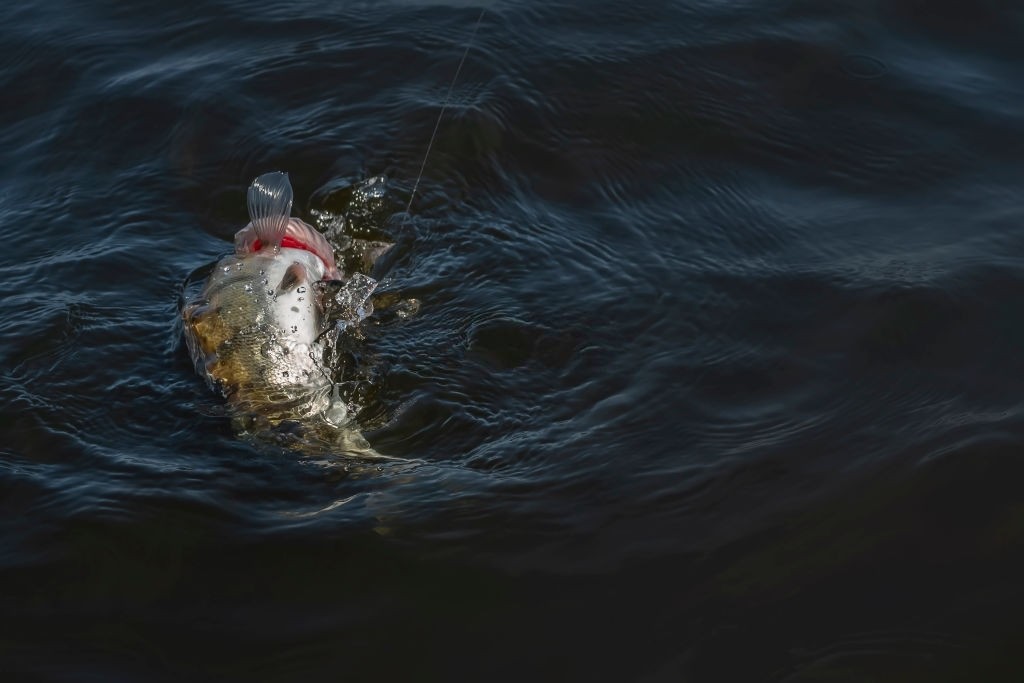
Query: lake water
[[715, 374]]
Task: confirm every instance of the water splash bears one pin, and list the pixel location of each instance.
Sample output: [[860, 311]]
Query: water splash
[[370, 189], [352, 302]]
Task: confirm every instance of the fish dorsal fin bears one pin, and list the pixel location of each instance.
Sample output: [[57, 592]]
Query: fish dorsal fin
[[293, 277], [270, 204]]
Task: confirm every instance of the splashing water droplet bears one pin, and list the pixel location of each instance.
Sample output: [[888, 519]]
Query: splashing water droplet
[[408, 308], [372, 188], [353, 300], [337, 412]]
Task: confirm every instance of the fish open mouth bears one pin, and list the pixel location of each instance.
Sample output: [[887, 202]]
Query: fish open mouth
[[298, 235], [270, 202], [286, 241]]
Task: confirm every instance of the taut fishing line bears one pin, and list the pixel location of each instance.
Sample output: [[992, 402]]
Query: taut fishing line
[[440, 115]]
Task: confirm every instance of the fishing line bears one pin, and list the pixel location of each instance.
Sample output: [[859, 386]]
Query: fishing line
[[444, 106], [336, 399]]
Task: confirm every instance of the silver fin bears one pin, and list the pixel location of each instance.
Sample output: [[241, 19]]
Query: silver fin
[[270, 203]]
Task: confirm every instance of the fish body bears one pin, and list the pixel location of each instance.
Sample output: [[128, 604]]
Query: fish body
[[254, 329]]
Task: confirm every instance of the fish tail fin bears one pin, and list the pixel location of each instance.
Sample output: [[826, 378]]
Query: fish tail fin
[[270, 204]]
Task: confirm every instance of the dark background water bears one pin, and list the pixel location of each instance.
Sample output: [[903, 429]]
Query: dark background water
[[717, 372]]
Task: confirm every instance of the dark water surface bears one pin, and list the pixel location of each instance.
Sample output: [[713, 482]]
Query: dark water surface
[[717, 372]]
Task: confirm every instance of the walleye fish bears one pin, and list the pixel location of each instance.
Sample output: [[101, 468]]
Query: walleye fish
[[255, 329]]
